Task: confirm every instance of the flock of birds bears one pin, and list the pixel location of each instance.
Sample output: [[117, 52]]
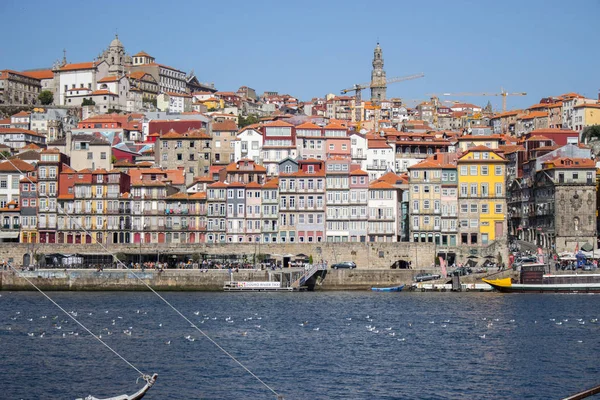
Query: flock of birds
[[42, 326], [36, 327]]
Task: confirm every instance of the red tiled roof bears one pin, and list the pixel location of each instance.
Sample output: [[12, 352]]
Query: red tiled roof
[[281, 124], [102, 92], [41, 74], [227, 125], [308, 125], [16, 165], [19, 130], [109, 79], [74, 67], [567, 162]]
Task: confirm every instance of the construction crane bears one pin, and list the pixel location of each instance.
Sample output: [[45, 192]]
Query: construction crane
[[502, 93], [358, 89]]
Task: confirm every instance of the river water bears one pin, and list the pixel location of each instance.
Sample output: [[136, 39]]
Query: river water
[[320, 345]]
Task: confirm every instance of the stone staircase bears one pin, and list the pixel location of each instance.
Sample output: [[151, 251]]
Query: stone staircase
[[308, 274]]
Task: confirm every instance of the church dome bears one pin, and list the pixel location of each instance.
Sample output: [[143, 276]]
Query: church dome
[[116, 42]]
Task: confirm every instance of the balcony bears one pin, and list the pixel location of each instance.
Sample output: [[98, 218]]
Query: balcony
[[359, 156], [374, 167]]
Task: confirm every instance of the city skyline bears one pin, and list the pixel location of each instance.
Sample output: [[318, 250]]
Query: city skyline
[[297, 50]]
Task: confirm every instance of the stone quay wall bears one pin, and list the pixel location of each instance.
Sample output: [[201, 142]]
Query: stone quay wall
[[372, 255], [187, 280]]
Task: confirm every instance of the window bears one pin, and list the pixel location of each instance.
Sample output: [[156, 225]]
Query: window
[[473, 223], [473, 169], [498, 170], [474, 207], [463, 189], [426, 189], [463, 170], [484, 190], [90, 155], [426, 204], [464, 208], [485, 209], [498, 209], [103, 155], [179, 157], [498, 189], [474, 189], [484, 170], [415, 188], [3, 181]]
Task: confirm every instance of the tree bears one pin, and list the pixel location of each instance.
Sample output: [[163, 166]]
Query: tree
[[46, 97], [4, 154], [249, 120], [590, 132], [88, 102]]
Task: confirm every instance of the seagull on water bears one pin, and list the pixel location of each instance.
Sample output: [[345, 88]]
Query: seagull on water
[[316, 329], [168, 342], [482, 336]]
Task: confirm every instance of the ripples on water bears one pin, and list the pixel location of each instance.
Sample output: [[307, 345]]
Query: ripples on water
[[440, 345]]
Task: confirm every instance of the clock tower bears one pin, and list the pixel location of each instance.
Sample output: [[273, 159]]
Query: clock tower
[[378, 81]]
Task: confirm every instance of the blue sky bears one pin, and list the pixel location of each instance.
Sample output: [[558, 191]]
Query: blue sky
[[308, 48]]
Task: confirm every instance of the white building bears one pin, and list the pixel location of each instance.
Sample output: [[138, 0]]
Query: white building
[[381, 157], [383, 212], [18, 138], [248, 144], [81, 75], [174, 102], [358, 147], [10, 175], [116, 84]]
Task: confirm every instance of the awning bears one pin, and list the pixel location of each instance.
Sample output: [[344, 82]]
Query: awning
[[9, 235]]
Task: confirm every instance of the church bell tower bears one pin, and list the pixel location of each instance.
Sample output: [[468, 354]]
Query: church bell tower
[[378, 81]]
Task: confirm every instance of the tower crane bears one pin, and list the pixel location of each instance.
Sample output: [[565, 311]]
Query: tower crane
[[359, 87], [502, 93]]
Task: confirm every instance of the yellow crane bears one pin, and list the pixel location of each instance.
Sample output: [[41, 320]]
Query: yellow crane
[[359, 87], [502, 93]]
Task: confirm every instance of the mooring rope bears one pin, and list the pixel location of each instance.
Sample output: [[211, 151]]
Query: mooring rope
[[79, 226], [78, 322]]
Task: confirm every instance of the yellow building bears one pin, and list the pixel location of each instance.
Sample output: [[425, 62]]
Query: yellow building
[[586, 114], [481, 196]]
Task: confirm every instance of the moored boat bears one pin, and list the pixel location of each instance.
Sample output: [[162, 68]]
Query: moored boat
[[534, 279], [388, 289]]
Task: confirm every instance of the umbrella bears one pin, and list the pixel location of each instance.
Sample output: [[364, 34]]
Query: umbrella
[[472, 257], [587, 247], [301, 255], [489, 256]]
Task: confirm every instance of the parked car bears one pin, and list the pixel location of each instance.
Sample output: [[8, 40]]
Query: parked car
[[426, 277], [344, 264], [524, 260], [462, 271]]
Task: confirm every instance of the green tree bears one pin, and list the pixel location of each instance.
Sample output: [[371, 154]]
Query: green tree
[[5, 154], [210, 109], [249, 120], [88, 102], [590, 132], [113, 159], [46, 97]]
